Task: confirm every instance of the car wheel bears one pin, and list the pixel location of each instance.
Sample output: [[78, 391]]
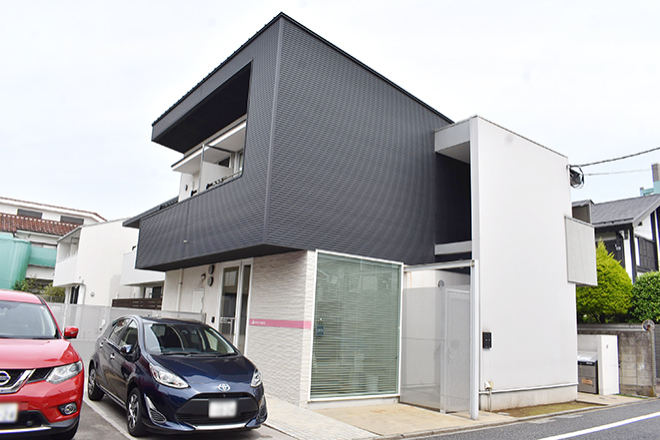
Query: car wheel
[[134, 412], [93, 390], [68, 435]]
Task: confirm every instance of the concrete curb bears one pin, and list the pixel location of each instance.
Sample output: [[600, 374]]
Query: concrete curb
[[422, 434]]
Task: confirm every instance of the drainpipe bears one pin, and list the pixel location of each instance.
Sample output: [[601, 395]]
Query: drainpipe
[[633, 253], [178, 291], [84, 292], [475, 339], [654, 229], [201, 168]]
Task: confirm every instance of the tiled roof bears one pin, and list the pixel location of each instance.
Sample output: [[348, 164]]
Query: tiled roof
[[12, 223], [621, 212]]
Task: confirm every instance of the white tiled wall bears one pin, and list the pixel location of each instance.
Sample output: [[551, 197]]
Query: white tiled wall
[[283, 289]]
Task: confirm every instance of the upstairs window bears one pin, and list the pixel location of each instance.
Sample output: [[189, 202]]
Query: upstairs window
[[74, 220], [28, 213], [217, 160]]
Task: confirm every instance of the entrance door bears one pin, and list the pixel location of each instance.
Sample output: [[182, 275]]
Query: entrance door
[[234, 303]]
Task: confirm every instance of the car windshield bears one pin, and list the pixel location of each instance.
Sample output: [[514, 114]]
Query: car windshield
[[19, 320], [185, 338]]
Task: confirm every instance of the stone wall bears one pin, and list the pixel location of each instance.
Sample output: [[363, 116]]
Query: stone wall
[[637, 369]]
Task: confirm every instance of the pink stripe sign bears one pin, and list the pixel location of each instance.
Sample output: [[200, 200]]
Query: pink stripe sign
[[281, 323]]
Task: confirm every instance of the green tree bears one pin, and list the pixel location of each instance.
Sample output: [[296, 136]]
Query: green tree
[[610, 300], [27, 285], [49, 290], [32, 285], [645, 302]]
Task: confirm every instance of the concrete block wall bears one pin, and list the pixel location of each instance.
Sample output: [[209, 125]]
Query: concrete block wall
[[280, 323], [637, 372]]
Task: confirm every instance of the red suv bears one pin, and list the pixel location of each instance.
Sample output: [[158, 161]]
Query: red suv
[[41, 375]]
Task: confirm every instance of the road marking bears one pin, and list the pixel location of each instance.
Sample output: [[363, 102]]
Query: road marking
[[602, 427], [98, 410]]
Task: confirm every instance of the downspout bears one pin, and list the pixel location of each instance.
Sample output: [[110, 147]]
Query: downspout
[[178, 291], [475, 340], [84, 295], [654, 226], [201, 168], [633, 253]]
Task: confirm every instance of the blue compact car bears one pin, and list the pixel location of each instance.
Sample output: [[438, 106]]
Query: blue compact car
[[175, 376]]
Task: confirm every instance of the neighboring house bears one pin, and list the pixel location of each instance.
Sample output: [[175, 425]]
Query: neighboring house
[[91, 265], [628, 228], [359, 245], [655, 171], [28, 238]]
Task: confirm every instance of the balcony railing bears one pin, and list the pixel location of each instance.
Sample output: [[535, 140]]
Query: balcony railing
[[138, 303]]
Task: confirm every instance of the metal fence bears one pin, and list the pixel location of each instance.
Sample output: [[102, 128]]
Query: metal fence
[[92, 320]]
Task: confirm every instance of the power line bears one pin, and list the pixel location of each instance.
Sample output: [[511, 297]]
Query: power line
[[618, 158], [616, 172]]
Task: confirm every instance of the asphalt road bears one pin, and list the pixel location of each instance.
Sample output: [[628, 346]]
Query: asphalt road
[[634, 421]]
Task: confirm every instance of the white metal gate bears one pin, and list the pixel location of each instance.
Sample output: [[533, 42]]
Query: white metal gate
[[435, 367]]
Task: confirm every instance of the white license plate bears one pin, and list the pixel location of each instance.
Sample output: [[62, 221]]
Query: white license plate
[[8, 412], [222, 408]]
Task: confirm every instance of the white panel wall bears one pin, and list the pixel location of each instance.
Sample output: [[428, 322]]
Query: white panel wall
[[191, 281], [580, 252], [520, 196]]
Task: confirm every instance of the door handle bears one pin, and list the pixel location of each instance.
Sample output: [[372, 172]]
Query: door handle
[[112, 355]]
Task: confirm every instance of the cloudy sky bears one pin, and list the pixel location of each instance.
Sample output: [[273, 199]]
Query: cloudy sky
[[81, 82]]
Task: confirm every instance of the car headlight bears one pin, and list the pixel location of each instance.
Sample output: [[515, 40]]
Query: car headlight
[[256, 379], [167, 378], [64, 372]]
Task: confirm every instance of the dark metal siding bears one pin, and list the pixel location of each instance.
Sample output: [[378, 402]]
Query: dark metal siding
[[353, 166], [230, 216]]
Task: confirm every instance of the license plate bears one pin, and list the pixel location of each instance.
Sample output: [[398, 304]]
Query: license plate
[[8, 412], [222, 408]]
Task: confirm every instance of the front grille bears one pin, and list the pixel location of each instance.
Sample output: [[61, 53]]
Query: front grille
[[156, 416], [196, 411], [39, 374], [26, 419], [14, 375]]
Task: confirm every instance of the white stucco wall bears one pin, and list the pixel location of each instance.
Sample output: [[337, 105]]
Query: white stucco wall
[[520, 196], [49, 212], [98, 263], [130, 276]]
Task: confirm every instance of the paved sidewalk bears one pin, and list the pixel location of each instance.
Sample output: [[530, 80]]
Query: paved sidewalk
[[395, 421], [304, 424]]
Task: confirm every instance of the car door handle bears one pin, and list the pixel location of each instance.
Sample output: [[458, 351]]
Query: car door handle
[[112, 355]]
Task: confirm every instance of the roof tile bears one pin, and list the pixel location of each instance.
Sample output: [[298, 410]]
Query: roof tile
[[12, 223]]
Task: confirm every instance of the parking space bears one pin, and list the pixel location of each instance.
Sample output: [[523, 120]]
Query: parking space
[[106, 420]]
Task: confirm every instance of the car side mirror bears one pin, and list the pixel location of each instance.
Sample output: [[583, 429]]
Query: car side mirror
[[126, 350], [70, 332]]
